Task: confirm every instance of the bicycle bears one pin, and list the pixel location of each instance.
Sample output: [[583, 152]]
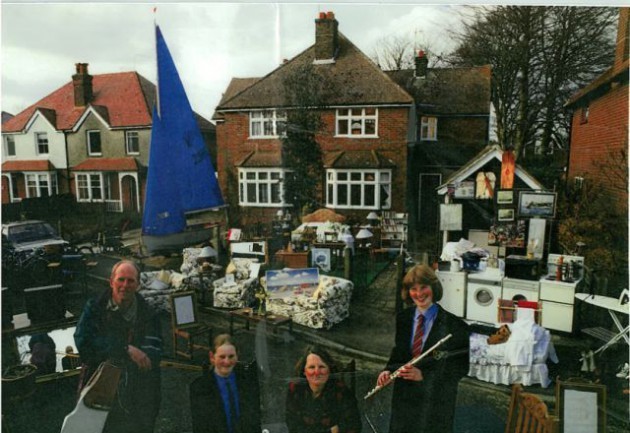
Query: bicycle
[[25, 268]]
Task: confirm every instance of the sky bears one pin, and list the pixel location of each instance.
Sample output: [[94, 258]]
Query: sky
[[211, 43]]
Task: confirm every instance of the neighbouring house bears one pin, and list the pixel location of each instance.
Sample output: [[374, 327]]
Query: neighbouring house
[[453, 120], [366, 126], [599, 129], [89, 138]]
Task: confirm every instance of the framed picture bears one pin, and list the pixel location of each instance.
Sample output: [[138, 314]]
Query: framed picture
[[505, 196], [506, 214], [581, 407], [184, 309], [464, 189], [320, 258], [286, 283], [537, 204]]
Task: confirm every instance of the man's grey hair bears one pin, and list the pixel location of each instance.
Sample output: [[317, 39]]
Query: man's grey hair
[[122, 262]]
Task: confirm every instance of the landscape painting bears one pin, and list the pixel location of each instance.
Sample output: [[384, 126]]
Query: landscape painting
[[283, 283], [537, 204]]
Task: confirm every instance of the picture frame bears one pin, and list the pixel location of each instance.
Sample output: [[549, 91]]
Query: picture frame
[[184, 310], [581, 406], [537, 204], [320, 258], [505, 214], [286, 283], [505, 196]]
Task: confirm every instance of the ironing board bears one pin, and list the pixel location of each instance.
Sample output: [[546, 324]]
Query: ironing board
[[614, 307]]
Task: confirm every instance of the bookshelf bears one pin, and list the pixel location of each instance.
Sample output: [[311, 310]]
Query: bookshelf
[[393, 229]]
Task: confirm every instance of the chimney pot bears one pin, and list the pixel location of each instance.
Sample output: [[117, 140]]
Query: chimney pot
[[422, 64], [326, 37]]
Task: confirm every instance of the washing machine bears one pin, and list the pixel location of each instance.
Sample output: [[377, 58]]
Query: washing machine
[[483, 294], [520, 290]]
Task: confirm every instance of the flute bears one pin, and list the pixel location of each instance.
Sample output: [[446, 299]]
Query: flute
[[415, 360]]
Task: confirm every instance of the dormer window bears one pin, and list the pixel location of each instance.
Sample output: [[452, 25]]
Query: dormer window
[[428, 128], [357, 122], [94, 143], [267, 124]]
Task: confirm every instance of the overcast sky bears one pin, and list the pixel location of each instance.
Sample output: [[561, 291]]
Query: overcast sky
[[210, 42]]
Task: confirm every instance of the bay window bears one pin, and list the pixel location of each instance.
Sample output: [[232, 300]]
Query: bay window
[[261, 187], [89, 187], [358, 189], [40, 184]]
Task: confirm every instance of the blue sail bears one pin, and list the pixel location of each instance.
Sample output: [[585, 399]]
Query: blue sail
[[181, 176]]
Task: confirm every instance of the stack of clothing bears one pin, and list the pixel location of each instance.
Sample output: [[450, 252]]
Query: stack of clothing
[[522, 358]]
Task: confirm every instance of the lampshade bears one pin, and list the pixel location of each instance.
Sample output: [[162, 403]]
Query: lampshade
[[280, 213], [364, 234], [372, 216], [207, 252]]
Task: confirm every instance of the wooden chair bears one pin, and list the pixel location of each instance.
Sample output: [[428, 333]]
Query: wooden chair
[[508, 310], [529, 414], [186, 325]]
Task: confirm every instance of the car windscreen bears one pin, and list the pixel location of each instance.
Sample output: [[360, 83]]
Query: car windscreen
[[31, 233]]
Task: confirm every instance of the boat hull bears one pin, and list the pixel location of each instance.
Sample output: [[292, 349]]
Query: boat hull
[[177, 241]]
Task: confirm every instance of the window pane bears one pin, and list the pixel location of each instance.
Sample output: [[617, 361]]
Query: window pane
[[342, 194], [329, 198], [42, 143], [262, 175], [355, 195], [342, 176], [10, 145], [256, 129], [343, 112], [251, 193], [275, 175], [342, 127], [357, 111], [356, 176], [370, 195], [370, 127], [385, 196], [263, 196], [133, 142], [251, 175], [369, 176], [275, 193], [94, 141]]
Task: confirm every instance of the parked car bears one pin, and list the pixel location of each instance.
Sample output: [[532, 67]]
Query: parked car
[[32, 235]]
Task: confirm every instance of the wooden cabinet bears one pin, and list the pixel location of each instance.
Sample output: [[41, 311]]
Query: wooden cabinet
[[293, 259]]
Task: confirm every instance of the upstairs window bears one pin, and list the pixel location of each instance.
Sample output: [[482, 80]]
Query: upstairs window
[[357, 122], [9, 145], [132, 143], [428, 128], [41, 140], [94, 143], [261, 187], [584, 115], [267, 124]]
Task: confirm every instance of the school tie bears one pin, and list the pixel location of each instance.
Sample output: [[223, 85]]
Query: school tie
[[233, 415], [416, 347]]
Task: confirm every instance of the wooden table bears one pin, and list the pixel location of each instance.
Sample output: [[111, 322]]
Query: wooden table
[[296, 260], [248, 315]]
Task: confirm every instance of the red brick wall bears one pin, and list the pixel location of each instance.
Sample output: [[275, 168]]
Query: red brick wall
[[605, 132], [233, 145]]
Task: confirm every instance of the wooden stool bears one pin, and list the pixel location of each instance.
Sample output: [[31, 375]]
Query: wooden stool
[[190, 335]]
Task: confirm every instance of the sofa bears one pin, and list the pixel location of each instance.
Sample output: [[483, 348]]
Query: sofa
[[237, 288], [328, 305]]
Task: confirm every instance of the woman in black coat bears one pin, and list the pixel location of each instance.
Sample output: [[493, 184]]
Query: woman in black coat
[[226, 399], [424, 395]]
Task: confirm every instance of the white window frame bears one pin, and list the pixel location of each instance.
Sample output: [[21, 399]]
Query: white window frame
[[9, 141], [91, 152], [356, 119], [39, 180], [39, 142], [89, 178], [263, 181], [428, 128], [267, 123], [357, 180], [129, 135]]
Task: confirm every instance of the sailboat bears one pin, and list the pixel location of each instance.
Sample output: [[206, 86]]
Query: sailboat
[[181, 178]]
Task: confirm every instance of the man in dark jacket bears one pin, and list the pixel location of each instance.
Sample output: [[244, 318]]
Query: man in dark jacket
[[119, 326]]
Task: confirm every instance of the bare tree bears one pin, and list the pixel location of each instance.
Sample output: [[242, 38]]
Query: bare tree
[[396, 52], [539, 56]]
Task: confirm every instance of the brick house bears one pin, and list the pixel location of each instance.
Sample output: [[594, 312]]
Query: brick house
[[366, 127], [452, 117], [89, 138], [599, 128]]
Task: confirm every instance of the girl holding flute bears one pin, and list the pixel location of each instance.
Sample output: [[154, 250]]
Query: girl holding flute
[[425, 393]]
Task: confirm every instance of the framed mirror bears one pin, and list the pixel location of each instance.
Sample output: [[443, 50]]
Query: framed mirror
[[581, 406]]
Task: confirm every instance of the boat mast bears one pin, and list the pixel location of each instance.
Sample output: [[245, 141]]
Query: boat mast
[[157, 68]]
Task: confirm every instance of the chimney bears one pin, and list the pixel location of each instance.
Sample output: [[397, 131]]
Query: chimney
[[422, 63], [621, 51], [326, 38], [82, 84]]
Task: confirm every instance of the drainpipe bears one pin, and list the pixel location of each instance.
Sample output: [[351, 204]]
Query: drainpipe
[[65, 141]]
